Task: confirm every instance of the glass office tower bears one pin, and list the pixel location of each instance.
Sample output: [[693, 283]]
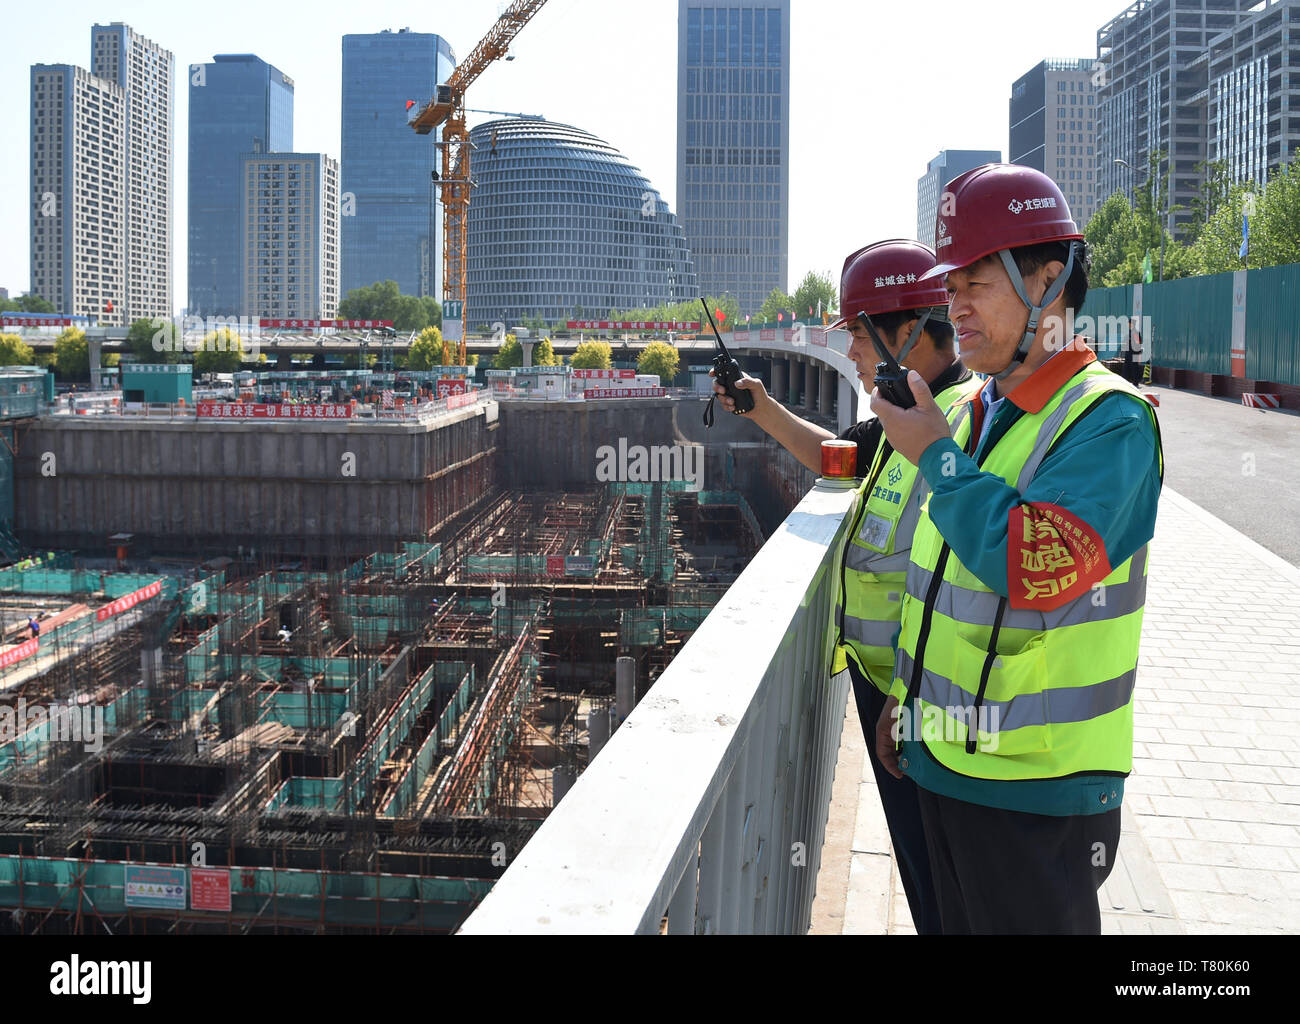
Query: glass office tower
[[388, 214], [238, 104], [733, 144], [563, 226]]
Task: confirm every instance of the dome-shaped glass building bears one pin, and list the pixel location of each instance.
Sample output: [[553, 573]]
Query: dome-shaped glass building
[[562, 225]]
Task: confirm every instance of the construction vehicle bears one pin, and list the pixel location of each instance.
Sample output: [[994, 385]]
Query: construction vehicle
[[447, 110]]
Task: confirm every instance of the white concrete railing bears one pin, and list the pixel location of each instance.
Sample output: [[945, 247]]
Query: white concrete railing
[[709, 804]]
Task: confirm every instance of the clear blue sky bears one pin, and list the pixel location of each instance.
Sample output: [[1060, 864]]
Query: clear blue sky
[[877, 88]]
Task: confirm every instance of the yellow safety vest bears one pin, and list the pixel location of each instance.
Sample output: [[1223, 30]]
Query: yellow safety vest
[[879, 550], [1049, 693]]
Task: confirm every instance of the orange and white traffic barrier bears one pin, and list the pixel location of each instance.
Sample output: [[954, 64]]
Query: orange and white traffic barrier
[[1253, 400]]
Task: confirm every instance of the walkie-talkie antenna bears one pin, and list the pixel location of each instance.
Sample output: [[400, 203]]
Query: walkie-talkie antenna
[[715, 328]]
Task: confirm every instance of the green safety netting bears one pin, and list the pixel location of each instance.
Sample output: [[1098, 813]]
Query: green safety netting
[[267, 893]]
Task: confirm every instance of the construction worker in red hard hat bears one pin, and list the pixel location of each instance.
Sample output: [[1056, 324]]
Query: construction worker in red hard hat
[[885, 296], [1012, 700]]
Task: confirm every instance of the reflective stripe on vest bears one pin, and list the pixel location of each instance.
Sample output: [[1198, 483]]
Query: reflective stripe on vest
[[1057, 687], [874, 574], [980, 607]]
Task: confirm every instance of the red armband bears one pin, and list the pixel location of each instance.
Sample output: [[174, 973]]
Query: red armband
[[1053, 557]]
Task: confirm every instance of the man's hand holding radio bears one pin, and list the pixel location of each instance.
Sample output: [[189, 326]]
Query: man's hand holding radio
[[746, 383], [911, 431]]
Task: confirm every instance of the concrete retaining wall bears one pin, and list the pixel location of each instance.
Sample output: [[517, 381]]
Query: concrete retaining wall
[[313, 488]]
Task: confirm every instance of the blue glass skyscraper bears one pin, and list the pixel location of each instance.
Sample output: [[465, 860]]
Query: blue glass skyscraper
[[387, 211], [733, 144], [238, 104]]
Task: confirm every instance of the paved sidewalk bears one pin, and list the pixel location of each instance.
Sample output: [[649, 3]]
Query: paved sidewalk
[[1211, 822]]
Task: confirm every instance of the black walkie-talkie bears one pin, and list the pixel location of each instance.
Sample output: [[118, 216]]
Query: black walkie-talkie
[[891, 379], [726, 371]]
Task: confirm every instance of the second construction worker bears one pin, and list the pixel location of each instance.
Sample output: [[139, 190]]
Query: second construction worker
[[881, 293]]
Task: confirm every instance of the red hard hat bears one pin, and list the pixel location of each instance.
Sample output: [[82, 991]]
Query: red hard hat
[[995, 207], [886, 277]]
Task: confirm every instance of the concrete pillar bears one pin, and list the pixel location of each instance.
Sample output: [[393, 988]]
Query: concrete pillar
[[597, 731], [796, 381], [624, 686], [847, 404], [527, 347], [562, 780], [826, 391], [96, 349], [812, 384], [284, 361], [778, 379]]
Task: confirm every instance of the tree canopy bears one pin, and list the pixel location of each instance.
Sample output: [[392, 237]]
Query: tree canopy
[[384, 300], [428, 350], [14, 351], [26, 304], [72, 354], [592, 355], [661, 358]]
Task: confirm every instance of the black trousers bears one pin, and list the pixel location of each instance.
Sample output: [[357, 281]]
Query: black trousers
[[1010, 873], [902, 814]]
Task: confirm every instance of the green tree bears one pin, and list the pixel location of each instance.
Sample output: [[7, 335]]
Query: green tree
[[72, 354], [814, 289], [592, 355], [14, 351], [222, 352], [26, 304], [776, 303], [154, 341], [428, 350], [1111, 236], [509, 355], [1216, 186], [383, 300], [661, 358]]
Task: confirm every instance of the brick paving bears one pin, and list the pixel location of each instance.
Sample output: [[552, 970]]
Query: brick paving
[[1211, 824]]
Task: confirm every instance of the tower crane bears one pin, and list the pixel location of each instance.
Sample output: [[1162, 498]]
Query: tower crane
[[447, 109]]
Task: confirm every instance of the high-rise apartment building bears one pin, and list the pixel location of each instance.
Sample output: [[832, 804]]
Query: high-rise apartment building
[[733, 144], [938, 172], [143, 70], [1054, 128], [79, 192], [289, 231], [389, 211], [238, 104]]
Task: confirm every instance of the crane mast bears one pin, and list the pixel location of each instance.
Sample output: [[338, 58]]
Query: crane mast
[[447, 109]]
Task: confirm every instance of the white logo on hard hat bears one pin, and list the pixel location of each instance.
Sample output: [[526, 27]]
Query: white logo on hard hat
[[943, 229], [1041, 203]]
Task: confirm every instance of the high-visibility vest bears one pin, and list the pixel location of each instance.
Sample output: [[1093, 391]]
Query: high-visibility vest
[[876, 557], [1049, 693]]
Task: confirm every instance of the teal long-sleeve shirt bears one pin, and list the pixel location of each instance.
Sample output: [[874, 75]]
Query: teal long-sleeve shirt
[[1105, 471]]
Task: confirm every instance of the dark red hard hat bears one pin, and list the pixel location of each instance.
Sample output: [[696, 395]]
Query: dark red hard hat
[[995, 207], [886, 277]]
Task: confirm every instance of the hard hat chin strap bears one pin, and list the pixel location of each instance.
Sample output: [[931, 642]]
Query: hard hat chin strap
[[912, 338], [1035, 311]]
